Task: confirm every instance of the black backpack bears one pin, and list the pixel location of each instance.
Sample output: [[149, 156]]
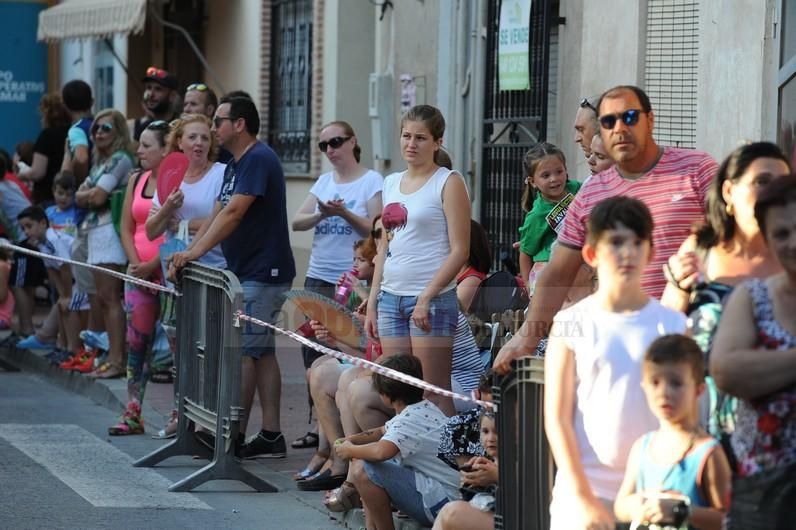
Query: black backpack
[[498, 292]]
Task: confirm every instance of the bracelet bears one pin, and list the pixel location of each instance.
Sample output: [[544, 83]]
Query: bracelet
[[669, 275]]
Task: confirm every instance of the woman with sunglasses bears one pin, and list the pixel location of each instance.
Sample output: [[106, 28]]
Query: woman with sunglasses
[[142, 304], [340, 208], [112, 161]]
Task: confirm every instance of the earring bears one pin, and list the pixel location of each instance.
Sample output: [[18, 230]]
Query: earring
[[729, 209]]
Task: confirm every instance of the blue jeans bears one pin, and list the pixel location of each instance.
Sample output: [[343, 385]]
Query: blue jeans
[[395, 315], [399, 483], [262, 301]]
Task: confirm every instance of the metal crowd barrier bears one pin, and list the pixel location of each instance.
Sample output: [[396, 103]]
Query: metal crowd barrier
[[208, 363], [525, 464]]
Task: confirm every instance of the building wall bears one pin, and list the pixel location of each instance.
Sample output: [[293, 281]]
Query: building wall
[[346, 59], [600, 46], [406, 43], [731, 84], [233, 45]]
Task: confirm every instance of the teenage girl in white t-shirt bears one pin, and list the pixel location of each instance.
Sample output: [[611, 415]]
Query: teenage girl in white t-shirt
[[413, 306]]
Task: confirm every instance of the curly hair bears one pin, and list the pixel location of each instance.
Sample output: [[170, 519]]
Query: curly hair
[[53, 111], [178, 129]]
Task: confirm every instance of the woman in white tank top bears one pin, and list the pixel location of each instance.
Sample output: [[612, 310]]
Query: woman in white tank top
[[413, 306]]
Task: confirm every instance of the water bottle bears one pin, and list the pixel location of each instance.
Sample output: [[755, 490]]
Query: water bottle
[[344, 289]]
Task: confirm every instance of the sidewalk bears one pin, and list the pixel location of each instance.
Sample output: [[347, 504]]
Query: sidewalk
[[159, 402]]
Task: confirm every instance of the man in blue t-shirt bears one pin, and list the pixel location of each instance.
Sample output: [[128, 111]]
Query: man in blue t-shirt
[[250, 222]]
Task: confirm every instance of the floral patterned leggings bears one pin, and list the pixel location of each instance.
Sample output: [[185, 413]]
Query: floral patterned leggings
[[143, 308]]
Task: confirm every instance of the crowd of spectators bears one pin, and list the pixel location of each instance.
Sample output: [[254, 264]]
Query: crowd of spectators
[[660, 287]]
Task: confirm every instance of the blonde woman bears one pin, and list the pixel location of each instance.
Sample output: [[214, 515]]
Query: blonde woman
[[112, 162], [194, 200]]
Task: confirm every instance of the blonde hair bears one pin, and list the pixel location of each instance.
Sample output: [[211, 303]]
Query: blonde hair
[[178, 129], [121, 134]]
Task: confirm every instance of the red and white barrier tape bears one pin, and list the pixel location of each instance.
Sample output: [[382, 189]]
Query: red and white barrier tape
[[364, 363], [356, 361], [124, 277]]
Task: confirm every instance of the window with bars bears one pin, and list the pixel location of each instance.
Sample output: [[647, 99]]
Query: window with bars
[[291, 75], [672, 55], [786, 107]]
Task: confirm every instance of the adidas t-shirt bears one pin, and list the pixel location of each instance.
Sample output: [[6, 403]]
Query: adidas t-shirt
[[674, 191], [334, 237]]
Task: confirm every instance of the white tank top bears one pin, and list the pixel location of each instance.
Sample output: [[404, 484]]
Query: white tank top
[[418, 239]]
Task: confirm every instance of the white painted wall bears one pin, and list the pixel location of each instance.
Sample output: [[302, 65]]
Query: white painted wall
[[600, 46], [731, 82], [232, 44], [78, 59]]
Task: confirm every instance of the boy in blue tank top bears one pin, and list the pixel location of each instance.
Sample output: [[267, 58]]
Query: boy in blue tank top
[[678, 475]]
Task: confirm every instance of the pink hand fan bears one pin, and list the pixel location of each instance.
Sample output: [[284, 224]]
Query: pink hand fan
[[170, 174]]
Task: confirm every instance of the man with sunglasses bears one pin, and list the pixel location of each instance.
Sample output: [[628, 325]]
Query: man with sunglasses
[[249, 220], [672, 182], [199, 99], [159, 100]]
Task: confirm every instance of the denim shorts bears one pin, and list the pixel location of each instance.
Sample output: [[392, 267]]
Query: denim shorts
[[399, 483], [395, 315], [262, 301]]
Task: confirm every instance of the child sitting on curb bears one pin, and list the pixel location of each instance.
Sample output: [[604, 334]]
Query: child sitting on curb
[[397, 464]]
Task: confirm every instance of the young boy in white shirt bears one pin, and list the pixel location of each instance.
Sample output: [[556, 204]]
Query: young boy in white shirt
[[594, 405], [397, 464]]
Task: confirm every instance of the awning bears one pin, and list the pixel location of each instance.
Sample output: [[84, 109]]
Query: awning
[[76, 19]]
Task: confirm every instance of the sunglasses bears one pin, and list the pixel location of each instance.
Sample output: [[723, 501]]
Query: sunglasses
[[153, 71], [158, 125], [334, 143], [376, 234], [218, 120], [584, 104], [200, 87], [105, 127], [629, 118]]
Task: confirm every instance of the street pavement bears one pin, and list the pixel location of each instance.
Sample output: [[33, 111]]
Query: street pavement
[[60, 469]]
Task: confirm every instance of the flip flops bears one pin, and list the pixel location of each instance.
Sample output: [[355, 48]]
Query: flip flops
[[310, 439]]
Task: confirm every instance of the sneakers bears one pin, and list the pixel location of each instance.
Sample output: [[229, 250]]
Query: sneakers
[[32, 343], [263, 447]]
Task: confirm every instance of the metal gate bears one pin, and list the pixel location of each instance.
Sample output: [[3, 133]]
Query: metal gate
[[514, 121]]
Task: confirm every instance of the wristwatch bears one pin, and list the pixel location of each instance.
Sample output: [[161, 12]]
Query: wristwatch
[[681, 512]]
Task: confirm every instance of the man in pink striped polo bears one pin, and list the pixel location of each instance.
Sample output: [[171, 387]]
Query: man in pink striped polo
[[672, 182]]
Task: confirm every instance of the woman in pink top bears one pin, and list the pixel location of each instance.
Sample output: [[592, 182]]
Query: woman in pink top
[[6, 296], [142, 304]]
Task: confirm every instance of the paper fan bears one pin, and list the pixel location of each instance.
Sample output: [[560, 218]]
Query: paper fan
[[170, 174], [341, 323]]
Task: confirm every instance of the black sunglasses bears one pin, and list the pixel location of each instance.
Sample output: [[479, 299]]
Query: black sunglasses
[[334, 143], [584, 104], [158, 125], [376, 234], [629, 117], [218, 120], [104, 127]]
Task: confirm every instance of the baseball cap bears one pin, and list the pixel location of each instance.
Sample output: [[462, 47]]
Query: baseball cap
[[160, 76]]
